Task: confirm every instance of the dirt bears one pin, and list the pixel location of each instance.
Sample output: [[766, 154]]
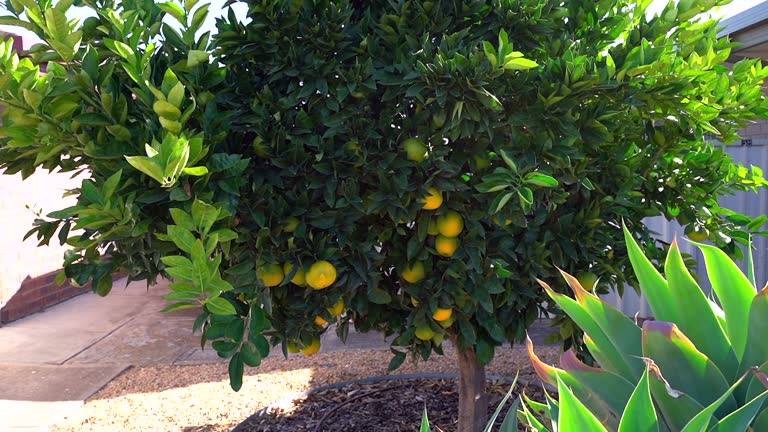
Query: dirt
[[196, 398]]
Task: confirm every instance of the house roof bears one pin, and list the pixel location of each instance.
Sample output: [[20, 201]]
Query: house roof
[[750, 29]]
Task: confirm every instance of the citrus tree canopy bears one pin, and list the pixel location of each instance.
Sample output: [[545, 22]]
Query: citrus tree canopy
[[409, 167]]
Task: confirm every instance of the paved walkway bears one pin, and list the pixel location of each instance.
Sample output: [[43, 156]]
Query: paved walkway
[[52, 361]]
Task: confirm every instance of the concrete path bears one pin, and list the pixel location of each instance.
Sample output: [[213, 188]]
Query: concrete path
[[52, 361]]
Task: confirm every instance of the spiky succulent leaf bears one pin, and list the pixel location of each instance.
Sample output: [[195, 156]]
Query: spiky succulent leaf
[[735, 293], [697, 319], [574, 415], [640, 414], [687, 369]]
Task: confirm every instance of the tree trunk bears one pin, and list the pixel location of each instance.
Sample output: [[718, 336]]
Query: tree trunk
[[473, 401]]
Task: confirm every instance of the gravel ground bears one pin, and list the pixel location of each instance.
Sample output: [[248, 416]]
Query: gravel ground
[[193, 398]]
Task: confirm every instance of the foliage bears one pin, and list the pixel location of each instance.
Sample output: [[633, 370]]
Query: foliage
[[282, 140], [700, 367]]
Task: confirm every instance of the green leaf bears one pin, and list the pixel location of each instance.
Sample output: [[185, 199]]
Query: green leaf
[[167, 110], [696, 318], [182, 219], [734, 292], [503, 402], [196, 171], [756, 351], [640, 414], [520, 64], [236, 372], [539, 179], [652, 284], [685, 367], [397, 360], [574, 416], [204, 215], [147, 166], [379, 296], [195, 58], [181, 237], [175, 11], [220, 306], [425, 422]]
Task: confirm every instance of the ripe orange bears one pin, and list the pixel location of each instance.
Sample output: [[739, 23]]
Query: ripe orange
[[321, 274], [446, 246], [337, 308], [450, 224], [320, 321], [414, 272], [425, 333], [432, 201], [442, 314], [299, 278], [270, 274], [312, 348]]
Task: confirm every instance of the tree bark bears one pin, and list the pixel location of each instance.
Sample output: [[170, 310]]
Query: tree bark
[[473, 401]]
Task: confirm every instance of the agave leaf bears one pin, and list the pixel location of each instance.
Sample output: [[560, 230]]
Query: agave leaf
[[697, 319], [640, 414], [612, 390], [610, 357], [553, 408], [761, 422], [425, 422], [700, 422], [652, 284], [510, 419], [740, 419], [676, 407], [530, 420], [550, 375], [756, 351], [734, 291], [623, 333], [757, 383], [687, 369], [503, 402], [574, 416]]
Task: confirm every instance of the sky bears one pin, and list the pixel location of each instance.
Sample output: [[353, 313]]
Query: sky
[[217, 10]]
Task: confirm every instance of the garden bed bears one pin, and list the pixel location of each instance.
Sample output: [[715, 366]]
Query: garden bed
[[196, 398]]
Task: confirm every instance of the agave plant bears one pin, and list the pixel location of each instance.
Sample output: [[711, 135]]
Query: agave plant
[[700, 367]]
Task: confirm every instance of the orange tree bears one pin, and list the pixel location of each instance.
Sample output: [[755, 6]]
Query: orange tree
[[403, 167]]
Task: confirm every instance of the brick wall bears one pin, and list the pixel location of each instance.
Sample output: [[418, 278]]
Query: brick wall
[[37, 294]]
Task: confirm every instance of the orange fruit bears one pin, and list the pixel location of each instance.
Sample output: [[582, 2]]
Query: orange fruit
[[312, 348], [414, 272], [442, 314], [290, 224], [321, 274], [424, 333], [698, 234], [337, 308], [432, 227], [446, 246], [320, 321], [415, 149], [270, 274], [298, 278], [587, 280], [450, 224], [432, 201], [448, 322]]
